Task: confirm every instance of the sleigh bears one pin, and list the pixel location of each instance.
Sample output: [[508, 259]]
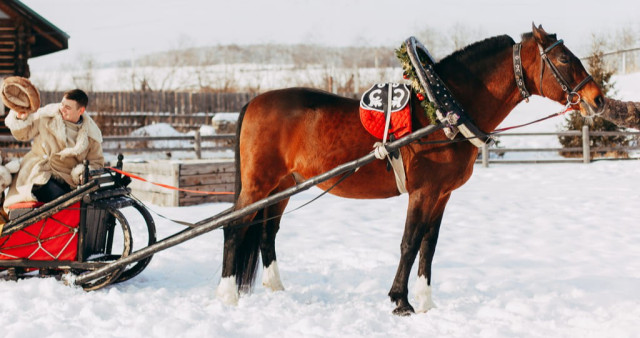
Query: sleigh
[[78, 232]]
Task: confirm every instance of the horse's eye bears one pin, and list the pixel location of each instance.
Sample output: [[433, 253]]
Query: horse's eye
[[564, 58]]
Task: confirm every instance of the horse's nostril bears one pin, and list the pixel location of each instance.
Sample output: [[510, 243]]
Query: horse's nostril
[[599, 102]]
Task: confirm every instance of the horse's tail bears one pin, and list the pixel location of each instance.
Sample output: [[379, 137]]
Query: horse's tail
[[248, 245], [238, 183]]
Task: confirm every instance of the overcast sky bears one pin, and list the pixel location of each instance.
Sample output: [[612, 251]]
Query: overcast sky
[[122, 29]]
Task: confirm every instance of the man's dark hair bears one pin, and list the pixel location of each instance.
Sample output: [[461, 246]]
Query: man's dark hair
[[79, 96]]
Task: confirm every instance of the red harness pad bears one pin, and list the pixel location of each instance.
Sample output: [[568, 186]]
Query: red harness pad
[[53, 238], [373, 104]]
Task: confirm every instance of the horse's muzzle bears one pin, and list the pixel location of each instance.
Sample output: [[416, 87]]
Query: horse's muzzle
[[595, 109]]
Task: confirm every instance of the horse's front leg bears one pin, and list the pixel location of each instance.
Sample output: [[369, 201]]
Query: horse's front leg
[[422, 289], [414, 230]]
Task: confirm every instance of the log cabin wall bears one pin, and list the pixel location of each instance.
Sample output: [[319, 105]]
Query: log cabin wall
[[24, 34]]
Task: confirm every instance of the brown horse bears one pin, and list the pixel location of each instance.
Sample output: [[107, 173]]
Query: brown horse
[[289, 135]]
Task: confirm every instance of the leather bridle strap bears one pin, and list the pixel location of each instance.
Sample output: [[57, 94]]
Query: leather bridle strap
[[518, 71], [544, 59]]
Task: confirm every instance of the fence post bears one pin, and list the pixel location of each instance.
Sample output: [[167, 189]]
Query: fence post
[[196, 145], [586, 149], [485, 155]]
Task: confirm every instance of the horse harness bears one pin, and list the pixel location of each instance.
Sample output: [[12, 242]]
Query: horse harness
[[448, 110], [573, 98], [456, 120]]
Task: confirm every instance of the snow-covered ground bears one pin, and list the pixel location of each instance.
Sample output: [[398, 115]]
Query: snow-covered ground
[[524, 251]]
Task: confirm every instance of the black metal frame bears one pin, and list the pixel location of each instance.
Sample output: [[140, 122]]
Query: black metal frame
[[101, 198]]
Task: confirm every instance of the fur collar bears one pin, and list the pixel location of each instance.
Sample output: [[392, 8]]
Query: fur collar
[[55, 124]]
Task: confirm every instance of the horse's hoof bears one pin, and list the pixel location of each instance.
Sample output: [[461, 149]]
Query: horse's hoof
[[271, 277], [227, 291], [403, 310]]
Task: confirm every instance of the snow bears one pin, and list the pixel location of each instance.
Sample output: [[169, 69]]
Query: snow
[[524, 250], [544, 250], [248, 77]]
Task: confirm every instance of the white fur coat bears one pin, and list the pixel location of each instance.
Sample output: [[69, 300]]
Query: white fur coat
[[50, 153]]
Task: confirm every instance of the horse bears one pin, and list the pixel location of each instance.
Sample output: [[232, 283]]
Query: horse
[[286, 136]]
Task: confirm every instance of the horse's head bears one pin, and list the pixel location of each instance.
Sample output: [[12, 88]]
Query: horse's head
[[562, 76]]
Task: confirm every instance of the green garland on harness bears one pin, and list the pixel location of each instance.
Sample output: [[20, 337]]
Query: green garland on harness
[[409, 73]]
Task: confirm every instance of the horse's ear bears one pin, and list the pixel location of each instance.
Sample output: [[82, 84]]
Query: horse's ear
[[540, 34]]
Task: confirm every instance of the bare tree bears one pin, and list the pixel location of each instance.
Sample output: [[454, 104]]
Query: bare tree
[[461, 35], [433, 40], [159, 72], [85, 78], [626, 38]]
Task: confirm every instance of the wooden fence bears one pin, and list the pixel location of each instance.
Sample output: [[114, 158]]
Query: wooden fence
[[178, 103], [120, 113], [199, 144], [584, 154], [11, 148]]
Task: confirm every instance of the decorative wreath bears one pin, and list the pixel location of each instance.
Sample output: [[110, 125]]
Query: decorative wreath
[[409, 73]]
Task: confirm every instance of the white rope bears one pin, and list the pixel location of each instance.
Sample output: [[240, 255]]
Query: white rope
[[380, 151], [388, 112]]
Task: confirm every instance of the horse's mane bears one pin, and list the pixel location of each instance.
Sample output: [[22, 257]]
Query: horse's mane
[[478, 50], [529, 35]]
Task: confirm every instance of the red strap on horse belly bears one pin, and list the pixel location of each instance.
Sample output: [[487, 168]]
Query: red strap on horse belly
[[374, 121]]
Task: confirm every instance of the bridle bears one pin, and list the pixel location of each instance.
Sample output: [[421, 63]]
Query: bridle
[[573, 98]]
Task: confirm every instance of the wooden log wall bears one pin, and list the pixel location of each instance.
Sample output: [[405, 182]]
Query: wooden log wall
[[199, 175]]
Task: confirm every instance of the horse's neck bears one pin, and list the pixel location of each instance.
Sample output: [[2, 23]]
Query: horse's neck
[[486, 90]]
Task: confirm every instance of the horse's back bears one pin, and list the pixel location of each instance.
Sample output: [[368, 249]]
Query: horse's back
[[299, 102], [307, 132], [304, 121]]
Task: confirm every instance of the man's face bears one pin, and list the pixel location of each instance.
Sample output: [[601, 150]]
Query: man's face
[[70, 110]]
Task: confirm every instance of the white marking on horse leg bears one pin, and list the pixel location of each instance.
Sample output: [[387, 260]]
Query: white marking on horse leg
[[422, 292], [271, 277], [227, 291]]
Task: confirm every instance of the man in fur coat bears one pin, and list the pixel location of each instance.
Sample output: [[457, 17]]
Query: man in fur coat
[[63, 137]]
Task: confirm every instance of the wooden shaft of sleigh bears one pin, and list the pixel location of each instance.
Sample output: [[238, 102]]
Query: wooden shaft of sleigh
[[226, 217]]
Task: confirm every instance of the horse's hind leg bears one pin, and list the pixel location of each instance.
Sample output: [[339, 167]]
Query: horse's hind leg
[[242, 243], [241, 249], [271, 273], [227, 290]]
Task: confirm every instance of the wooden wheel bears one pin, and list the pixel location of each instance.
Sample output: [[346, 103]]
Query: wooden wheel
[[126, 244], [134, 269]]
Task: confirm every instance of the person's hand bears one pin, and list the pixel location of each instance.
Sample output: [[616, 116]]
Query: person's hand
[[22, 115]]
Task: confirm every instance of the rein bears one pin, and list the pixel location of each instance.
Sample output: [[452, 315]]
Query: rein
[[498, 131], [560, 113]]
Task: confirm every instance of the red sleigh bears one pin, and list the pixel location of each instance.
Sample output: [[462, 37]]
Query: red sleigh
[[78, 232]]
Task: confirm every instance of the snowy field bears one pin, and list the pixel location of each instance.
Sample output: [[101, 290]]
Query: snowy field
[[524, 250]]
